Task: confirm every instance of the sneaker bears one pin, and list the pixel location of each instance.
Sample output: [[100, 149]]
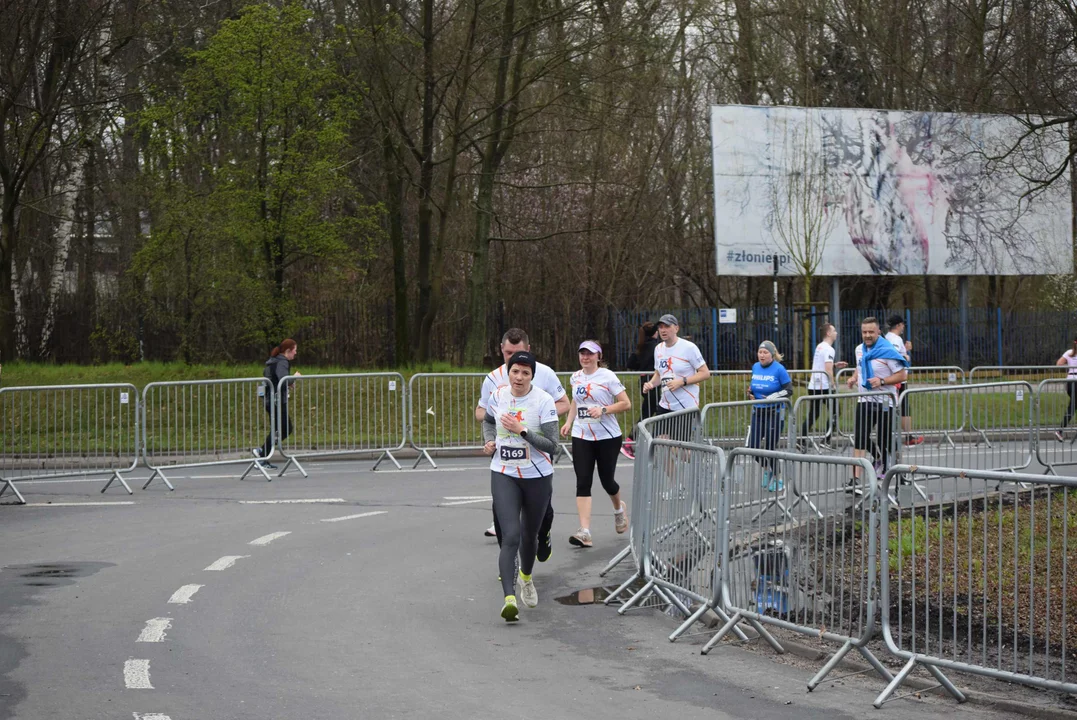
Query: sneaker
[[766, 479], [620, 519], [776, 484], [629, 450], [911, 441], [257, 452], [509, 610], [527, 592], [852, 487], [827, 443], [545, 549], [1059, 437], [581, 538], [491, 531]]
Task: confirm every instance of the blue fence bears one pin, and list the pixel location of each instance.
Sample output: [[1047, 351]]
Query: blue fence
[[995, 337]]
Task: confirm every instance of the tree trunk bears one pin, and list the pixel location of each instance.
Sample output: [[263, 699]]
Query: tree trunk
[[7, 269], [426, 170], [395, 204]]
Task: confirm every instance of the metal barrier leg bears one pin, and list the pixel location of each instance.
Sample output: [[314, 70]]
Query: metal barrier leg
[[689, 622], [256, 465], [722, 632], [292, 461], [10, 484], [424, 454], [945, 682], [616, 560], [643, 592], [116, 476], [670, 598], [384, 455], [158, 474], [624, 586]]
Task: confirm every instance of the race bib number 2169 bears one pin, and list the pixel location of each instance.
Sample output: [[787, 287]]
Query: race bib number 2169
[[514, 455]]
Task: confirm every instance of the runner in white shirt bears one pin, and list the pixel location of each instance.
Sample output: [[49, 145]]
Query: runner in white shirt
[[883, 371], [520, 429], [1069, 358], [897, 329], [597, 395], [678, 369], [515, 340], [820, 385]]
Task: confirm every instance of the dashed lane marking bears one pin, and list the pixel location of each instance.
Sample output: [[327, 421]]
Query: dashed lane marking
[[305, 501], [151, 716], [354, 517], [81, 504], [136, 675], [266, 539], [226, 562], [155, 630], [466, 502], [184, 594]]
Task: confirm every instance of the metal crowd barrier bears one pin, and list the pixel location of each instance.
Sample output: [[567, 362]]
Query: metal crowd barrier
[[59, 431], [980, 584], [983, 425], [202, 423], [441, 412], [810, 569], [729, 424], [341, 414], [683, 426], [1029, 373], [1056, 431]]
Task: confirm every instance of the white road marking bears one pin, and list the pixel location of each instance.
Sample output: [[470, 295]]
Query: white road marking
[[266, 539], [226, 562], [468, 497], [291, 502], [151, 716], [466, 502], [80, 504], [353, 517], [136, 675], [155, 630], [184, 594]]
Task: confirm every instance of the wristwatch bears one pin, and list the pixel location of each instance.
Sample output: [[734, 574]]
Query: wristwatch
[[604, 409], [523, 433]]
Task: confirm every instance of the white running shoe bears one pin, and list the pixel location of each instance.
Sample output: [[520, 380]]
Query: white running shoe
[[491, 531], [526, 592], [620, 519]]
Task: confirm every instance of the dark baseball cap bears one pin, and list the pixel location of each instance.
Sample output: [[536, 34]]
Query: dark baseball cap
[[523, 357], [668, 319]]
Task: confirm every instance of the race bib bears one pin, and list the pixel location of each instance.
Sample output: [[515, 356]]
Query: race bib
[[512, 455], [583, 416]]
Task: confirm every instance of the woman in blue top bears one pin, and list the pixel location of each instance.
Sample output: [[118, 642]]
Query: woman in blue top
[[770, 381]]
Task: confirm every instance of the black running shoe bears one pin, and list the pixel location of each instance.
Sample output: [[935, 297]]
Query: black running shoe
[[545, 549]]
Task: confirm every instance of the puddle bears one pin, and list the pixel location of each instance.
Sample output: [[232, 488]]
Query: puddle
[[588, 596], [51, 574]]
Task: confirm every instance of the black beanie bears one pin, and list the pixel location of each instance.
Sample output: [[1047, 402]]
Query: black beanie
[[522, 357]]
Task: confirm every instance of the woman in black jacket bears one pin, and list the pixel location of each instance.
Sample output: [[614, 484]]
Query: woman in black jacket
[[642, 361], [277, 367]]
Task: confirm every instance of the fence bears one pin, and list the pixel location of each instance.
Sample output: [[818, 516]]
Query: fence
[[979, 582], [204, 423], [67, 430], [341, 414], [809, 569]]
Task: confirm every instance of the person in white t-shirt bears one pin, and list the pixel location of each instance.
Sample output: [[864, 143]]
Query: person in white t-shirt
[[879, 368], [897, 329], [515, 340], [678, 369], [821, 385], [597, 396], [1069, 358], [520, 429]]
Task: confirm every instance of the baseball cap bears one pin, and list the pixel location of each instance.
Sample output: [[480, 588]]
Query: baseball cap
[[592, 346], [522, 357], [668, 319]]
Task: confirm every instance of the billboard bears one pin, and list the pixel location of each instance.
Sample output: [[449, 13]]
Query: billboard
[[873, 192]]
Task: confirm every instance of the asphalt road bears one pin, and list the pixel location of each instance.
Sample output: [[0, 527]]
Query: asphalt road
[[386, 615]]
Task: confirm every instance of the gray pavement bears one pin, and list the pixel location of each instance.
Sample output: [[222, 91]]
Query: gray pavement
[[382, 616]]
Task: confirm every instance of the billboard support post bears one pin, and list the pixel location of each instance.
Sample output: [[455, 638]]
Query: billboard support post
[[775, 298], [835, 311], [963, 303]]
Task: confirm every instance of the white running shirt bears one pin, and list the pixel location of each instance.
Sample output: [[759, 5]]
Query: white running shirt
[[597, 390], [513, 455], [1071, 359], [545, 378], [679, 361], [881, 369], [824, 353], [898, 344]]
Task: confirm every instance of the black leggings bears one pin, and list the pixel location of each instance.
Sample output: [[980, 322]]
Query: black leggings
[[285, 430], [820, 406], [588, 453], [519, 504], [1071, 390]]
